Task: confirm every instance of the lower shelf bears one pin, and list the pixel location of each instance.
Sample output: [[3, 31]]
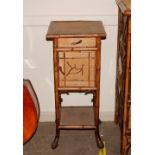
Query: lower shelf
[[77, 118]]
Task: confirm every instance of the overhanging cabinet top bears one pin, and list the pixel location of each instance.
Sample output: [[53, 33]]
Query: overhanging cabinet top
[[67, 29]]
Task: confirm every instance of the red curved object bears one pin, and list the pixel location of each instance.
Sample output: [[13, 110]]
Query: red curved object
[[30, 113]]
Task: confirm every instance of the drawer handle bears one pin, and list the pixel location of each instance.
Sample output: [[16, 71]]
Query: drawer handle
[[78, 42]]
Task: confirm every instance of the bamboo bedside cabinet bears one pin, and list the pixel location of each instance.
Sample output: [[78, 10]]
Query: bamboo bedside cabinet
[[76, 56]]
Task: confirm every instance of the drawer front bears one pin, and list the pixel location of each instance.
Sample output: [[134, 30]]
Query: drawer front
[[77, 42]]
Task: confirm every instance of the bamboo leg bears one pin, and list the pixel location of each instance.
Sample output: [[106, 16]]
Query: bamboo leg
[[98, 139], [57, 97], [97, 95], [57, 135], [94, 100], [97, 121], [56, 139]]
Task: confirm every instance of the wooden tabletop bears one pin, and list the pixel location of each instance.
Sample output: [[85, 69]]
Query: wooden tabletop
[[58, 29], [125, 6]]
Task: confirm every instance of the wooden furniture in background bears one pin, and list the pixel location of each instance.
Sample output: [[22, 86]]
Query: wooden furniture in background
[[30, 111], [76, 56], [123, 74]]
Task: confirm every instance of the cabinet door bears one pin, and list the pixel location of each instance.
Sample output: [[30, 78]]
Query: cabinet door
[[76, 69]]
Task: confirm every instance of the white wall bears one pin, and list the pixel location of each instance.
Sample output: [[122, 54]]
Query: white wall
[[38, 56]]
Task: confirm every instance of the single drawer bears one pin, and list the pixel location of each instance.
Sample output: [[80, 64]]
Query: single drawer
[[76, 42]]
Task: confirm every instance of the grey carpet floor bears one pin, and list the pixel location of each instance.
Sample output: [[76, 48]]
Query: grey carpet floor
[[73, 142]]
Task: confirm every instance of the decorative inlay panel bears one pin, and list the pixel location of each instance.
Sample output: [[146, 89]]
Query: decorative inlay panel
[[76, 69]]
